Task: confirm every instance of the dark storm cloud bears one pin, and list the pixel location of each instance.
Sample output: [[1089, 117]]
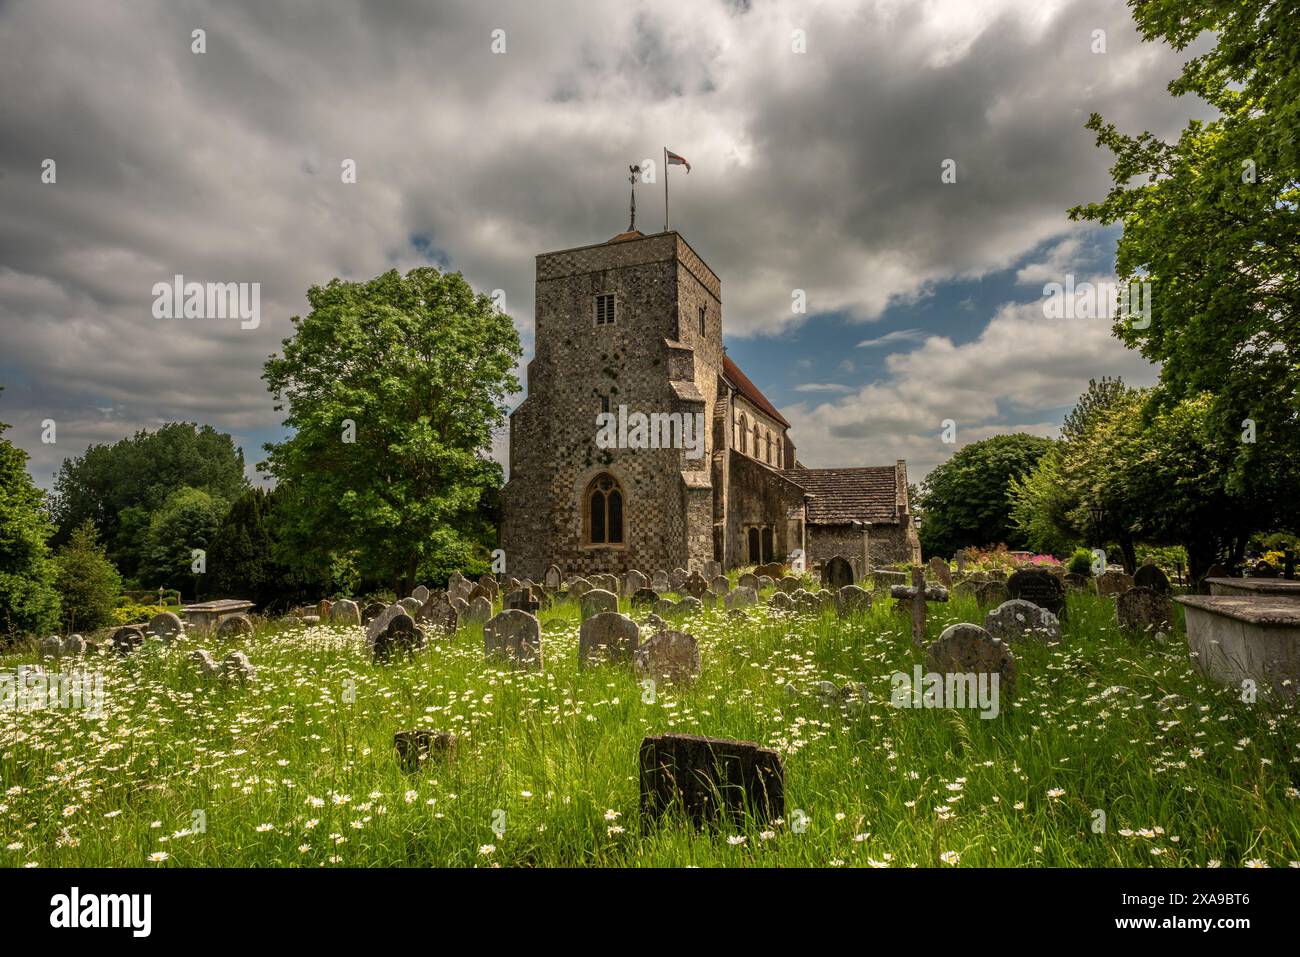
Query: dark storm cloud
[[817, 170]]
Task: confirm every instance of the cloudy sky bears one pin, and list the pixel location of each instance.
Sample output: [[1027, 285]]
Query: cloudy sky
[[816, 165]]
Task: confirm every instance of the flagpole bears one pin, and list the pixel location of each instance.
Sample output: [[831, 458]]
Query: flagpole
[[665, 189]]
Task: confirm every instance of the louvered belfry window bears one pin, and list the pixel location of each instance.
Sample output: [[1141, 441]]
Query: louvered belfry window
[[605, 309]]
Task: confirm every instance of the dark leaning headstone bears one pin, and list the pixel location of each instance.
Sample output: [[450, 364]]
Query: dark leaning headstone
[[126, 638], [644, 596], [991, 593], [372, 611], [401, 635], [418, 746], [1150, 576], [837, 572], [1144, 609], [1040, 587], [711, 780], [235, 626], [1214, 571]]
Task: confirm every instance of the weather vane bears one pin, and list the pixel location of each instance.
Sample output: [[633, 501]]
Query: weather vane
[[632, 173]]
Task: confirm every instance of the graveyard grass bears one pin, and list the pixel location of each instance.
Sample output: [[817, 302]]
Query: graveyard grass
[[288, 772]]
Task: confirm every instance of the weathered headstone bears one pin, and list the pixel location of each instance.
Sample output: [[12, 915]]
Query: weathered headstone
[[712, 569], [553, 577], [964, 649], [579, 586], [235, 626], [1016, 619], [607, 637], [166, 625], [1214, 571], [421, 593], [694, 585], [441, 614], [939, 569], [478, 612], [401, 635], [379, 622], [204, 663], [912, 601], [671, 656], [719, 585], [748, 580], [1112, 583], [789, 584], [597, 601], [780, 600], [1151, 576], [514, 637], [51, 647], [991, 593], [741, 597], [323, 609], [421, 745], [414, 605], [712, 781], [1144, 609], [1076, 582], [677, 578], [659, 581], [633, 582], [852, 600], [372, 611], [837, 572], [1039, 586], [644, 597], [345, 612], [236, 666]]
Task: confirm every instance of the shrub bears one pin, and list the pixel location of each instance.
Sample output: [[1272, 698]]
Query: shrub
[[1081, 562]]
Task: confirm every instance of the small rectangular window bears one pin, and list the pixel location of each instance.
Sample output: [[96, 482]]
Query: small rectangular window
[[701, 320], [605, 309], [604, 403]]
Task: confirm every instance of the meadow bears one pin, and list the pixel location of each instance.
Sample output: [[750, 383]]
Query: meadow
[[1092, 765]]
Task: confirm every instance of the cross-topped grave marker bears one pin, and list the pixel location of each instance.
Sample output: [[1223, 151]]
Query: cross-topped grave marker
[[917, 595]]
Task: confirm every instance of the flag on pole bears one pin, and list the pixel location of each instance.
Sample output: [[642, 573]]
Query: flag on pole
[[675, 160]]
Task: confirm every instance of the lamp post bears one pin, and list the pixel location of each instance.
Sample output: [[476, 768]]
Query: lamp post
[[1098, 515]]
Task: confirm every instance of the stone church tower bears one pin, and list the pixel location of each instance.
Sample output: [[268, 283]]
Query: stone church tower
[[634, 325]]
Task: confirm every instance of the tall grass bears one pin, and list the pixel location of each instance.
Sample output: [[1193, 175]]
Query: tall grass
[[298, 767]]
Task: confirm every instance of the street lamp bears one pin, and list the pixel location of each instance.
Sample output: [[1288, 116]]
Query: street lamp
[[1098, 515]]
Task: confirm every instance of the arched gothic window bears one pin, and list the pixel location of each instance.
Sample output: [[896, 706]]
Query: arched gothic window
[[604, 511], [758, 451], [744, 434], [769, 448]]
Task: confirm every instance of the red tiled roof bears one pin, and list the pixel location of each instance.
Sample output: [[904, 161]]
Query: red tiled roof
[[732, 373], [867, 494]]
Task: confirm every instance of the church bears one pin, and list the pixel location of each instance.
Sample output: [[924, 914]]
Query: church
[[635, 325]]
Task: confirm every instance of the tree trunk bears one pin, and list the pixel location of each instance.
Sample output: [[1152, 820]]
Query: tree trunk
[[1129, 552]]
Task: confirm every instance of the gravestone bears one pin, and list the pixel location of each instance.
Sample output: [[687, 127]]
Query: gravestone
[[579, 587], [1039, 586], [1075, 582], [1214, 571], [712, 569], [633, 582], [789, 584], [478, 612], [1236, 639], [379, 622], [515, 638], [553, 577], [966, 589], [441, 614], [489, 583], [345, 612], [852, 600], [1144, 609], [1262, 569], [421, 593], [1016, 619], [607, 637], [669, 656], [991, 593], [719, 585], [422, 745], [236, 667], [742, 597], [203, 662], [664, 606], [51, 647], [401, 635], [772, 570], [712, 781], [677, 578], [1112, 583], [837, 572], [881, 579], [1151, 576], [912, 601], [323, 609], [235, 626], [372, 611], [939, 569], [780, 600], [413, 605], [644, 597], [659, 582], [694, 585], [765, 581], [597, 601], [167, 626], [964, 648], [748, 580]]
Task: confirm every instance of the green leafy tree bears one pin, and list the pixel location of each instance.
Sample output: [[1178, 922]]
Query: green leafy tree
[[187, 520], [1212, 221], [88, 583], [393, 389], [964, 501], [120, 486], [29, 603]]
